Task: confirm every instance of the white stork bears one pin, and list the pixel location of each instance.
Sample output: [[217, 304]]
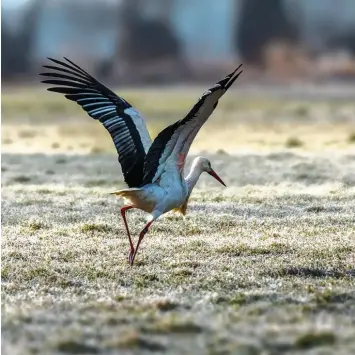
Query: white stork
[[153, 170]]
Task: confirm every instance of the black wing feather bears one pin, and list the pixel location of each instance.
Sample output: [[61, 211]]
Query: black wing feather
[[104, 105], [152, 160]]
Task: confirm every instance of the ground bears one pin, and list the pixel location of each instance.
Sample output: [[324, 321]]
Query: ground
[[265, 265]]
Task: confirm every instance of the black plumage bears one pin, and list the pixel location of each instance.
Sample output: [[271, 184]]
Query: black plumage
[[104, 105]]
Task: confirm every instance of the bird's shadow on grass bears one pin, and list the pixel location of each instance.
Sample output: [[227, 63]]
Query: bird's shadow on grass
[[317, 300], [281, 210], [242, 299], [306, 272]]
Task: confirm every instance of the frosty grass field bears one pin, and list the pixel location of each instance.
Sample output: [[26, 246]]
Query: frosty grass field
[[266, 264]]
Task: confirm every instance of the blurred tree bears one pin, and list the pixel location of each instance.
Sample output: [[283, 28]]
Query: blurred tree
[[345, 40], [146, 39], [260, 23], [17, 47], [6, 45]]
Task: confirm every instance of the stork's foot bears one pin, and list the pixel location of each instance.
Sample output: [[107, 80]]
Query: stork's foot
[[131, 257]]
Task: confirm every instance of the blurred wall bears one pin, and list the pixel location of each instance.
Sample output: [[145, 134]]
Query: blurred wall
[[206, 27]]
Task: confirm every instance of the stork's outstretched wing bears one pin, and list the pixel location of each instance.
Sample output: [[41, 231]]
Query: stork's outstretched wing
[[171, 146], [124, 123]]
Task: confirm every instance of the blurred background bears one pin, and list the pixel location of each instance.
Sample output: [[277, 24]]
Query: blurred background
[[169, 41], [296, 91]]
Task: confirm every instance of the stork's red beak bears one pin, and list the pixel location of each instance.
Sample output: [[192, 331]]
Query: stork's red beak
[[213, 173]]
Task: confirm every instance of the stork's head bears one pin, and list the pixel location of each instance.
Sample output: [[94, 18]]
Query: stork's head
[[205, 166]]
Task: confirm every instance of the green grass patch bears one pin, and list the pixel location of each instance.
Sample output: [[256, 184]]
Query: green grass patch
[[311, 340], [293, 142], [95, 227]]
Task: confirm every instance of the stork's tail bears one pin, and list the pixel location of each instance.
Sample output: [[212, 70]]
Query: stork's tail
[[129, 195], [136, 197], [127, 192]]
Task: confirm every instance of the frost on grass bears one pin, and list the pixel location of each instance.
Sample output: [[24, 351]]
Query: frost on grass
[[265, 264]]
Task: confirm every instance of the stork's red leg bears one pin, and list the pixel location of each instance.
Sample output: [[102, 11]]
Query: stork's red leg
[[141, 236], [123, 214]]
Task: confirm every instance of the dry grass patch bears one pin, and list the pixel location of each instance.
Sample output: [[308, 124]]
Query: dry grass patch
[[265, 265], [253, 123]]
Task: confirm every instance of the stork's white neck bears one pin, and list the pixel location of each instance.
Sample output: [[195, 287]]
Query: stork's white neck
[[193, 176]]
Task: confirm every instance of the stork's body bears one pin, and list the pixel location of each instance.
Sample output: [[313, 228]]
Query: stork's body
[[153, 171], [155, 199], [171, 193]]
